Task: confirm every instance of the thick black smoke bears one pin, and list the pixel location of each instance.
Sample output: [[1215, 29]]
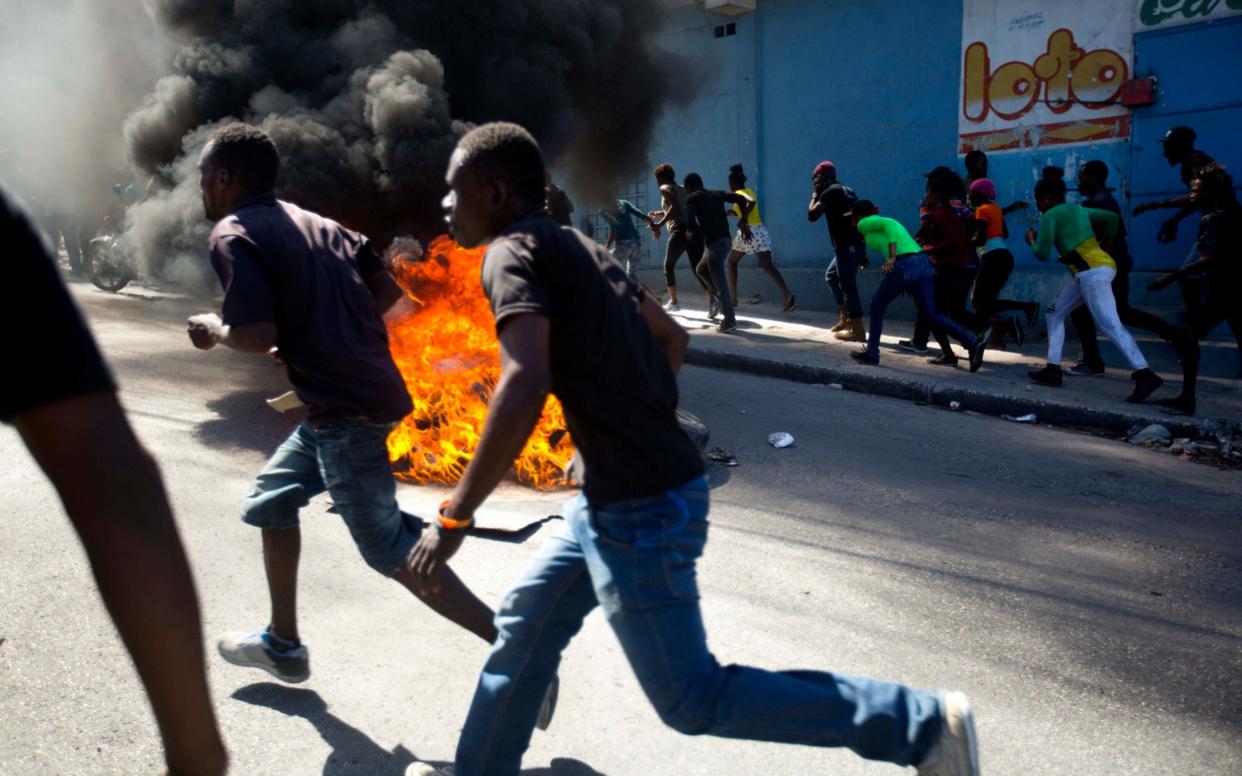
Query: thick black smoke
[[366, 98]]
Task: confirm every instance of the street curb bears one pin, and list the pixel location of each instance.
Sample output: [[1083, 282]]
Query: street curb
[[937, 394]]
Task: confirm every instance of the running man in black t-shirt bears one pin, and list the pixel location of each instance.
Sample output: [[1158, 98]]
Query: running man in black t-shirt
[[571, 323], [832, 201], [706, 212], [57, 393], [306, 288], [1219, 249]]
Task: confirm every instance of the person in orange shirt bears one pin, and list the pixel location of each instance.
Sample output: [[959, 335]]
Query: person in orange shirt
[[995, 267]]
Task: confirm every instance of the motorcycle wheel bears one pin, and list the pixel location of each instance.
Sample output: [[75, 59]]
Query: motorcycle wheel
[[106, 268]]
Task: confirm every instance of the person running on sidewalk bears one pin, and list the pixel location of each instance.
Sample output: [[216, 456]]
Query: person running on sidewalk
[[271, 257], [623, 238], [831, 200], [680, 239], [759, 242], [907, 269], [60, 394], [706, 211], [1179, 149], [1068, 228], [943, 230], [1219, 246], [630, 540], [1093, 185], [995, 267]]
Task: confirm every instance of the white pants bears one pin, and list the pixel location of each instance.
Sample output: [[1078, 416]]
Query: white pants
[[1093, 287]]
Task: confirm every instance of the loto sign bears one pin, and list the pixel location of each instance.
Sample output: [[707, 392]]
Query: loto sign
[[1048, 73]]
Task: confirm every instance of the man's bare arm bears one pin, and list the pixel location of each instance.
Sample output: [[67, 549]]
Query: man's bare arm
[[671, 336], [672, 212], [207, 331], [119, 509]]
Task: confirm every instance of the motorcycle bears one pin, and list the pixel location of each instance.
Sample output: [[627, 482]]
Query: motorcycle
[[107, 264]]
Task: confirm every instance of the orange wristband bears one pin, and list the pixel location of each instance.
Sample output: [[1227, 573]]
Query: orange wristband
[[452, 524]]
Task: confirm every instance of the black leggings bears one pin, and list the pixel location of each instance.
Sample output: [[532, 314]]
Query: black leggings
[[1218, 307], [678, 244], [995, 268]]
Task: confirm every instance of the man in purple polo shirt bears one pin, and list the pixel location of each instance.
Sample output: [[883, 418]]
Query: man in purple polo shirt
[[301, 285]]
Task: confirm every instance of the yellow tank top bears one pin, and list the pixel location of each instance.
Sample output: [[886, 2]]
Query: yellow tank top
[[753, 219]]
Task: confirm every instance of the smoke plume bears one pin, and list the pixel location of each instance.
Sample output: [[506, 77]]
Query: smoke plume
[[366, 99]]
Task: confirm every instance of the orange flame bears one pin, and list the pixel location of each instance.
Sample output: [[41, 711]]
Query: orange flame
[[447, 352]]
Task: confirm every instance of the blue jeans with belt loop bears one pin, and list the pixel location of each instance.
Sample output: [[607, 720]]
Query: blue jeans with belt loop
[[914, 273], [636, 559]]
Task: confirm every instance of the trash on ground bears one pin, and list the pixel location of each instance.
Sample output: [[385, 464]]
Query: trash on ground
[[836, 387], [1216, 442], [955, 406], [1021, 418], [781, 439], [722, 456], [1152, 435]]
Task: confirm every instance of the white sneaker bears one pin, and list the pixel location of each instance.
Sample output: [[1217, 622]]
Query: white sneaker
[[256, 650], [417, 768], [672, 307], [956, 753]]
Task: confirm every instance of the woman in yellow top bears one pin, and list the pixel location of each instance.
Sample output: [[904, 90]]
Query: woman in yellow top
[[752, 237]]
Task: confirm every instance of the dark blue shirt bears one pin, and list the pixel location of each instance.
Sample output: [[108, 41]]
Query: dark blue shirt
[[280, 263], [1120, 249]]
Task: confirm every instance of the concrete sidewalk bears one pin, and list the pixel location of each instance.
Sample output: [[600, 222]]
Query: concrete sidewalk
[[798, 346]]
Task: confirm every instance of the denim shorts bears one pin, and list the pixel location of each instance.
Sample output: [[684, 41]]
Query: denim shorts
[[349, 460]]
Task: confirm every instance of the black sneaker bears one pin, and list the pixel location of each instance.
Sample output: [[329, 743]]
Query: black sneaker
[[791, 304], [725, 326], [1083, 369], [981, 347], [1050, 375], [912, 347], [863, 357], [1145, 384]]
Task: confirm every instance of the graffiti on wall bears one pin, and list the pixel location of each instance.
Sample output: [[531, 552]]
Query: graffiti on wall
[[1041, 74]]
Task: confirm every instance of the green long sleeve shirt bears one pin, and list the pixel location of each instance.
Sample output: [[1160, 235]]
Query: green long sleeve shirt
[[1072, 229]]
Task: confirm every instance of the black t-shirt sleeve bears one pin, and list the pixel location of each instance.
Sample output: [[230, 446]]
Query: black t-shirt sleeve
[[248, 296], [52, 356], [512, 283], [369, 262]]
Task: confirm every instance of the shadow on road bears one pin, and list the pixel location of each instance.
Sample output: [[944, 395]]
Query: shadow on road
[[353, 751], [246, 421]]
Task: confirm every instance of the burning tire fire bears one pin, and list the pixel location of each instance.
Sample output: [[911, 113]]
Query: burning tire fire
[[445, 346]]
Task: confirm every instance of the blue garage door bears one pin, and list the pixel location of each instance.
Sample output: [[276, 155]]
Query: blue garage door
[[1197, 69]]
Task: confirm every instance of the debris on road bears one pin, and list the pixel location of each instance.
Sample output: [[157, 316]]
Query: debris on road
[[780, 439], [1218, 442], [836, 387], [1021, 418], [955, 406], [1152, 435], [722, 456]]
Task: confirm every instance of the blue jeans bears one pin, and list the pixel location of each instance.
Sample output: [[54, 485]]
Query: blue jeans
[[349, 459], [636, 559], [842, 279], [913, 273]]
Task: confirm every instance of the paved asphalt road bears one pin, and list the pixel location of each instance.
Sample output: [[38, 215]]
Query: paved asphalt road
[[1085, 593]]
